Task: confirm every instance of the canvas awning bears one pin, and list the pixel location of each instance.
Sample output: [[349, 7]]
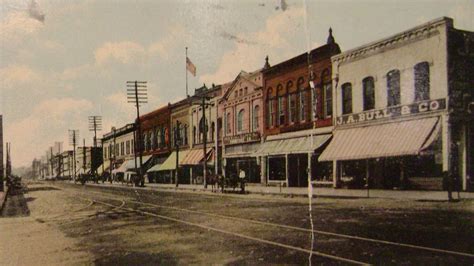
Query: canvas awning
[[384, 140], [304, 144], [103, 167], [83, 171], [242, 150], [130, 164], [195, 157], [170, 163]]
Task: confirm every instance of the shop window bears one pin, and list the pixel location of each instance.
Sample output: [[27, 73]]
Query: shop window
[[240, 120], [369, 93], [346, 98], [393, 87], [422, 81], [255, 114], [277, 168]]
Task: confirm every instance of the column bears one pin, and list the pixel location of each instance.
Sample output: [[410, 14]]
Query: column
[[263, 170], [309, 170], [446, 141], [335, 174]]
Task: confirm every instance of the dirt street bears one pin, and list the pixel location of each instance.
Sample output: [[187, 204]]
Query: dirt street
[[67, 224]]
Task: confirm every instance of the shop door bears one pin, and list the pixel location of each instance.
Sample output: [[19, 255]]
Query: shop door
[[297, 166]]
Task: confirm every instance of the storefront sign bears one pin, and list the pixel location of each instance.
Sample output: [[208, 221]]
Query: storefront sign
[[391, 112], [242, 138]]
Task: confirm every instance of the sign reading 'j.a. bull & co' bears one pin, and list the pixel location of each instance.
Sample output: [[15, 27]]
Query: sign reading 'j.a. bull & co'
[[391, 112]]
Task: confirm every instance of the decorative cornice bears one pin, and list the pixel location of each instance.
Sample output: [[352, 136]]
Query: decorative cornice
[[417, 33]]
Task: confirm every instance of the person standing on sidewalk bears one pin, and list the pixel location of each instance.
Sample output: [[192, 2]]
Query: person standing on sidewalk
[[242, 181]]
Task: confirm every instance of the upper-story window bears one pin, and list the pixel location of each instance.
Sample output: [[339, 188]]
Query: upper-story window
[[369, 93], [240, 121], [346, 98], [291, 102], [422, 81], [255, 115], [327, 93], [240, 92], [158, 138], [194, 134], [270, 108], [281, 105], [213, 129], [301, 98], [236, 94], [393, 87], [105, 152], [228, 124], [245, 91], [127, 147]]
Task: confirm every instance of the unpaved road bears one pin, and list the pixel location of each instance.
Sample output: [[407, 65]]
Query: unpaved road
[[67, 224]]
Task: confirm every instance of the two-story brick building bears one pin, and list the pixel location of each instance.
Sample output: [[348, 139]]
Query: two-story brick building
[[297, 109], [400, 105], [242, 111]]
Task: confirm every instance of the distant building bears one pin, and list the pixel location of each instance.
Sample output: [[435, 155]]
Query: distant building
[[88, 159], [401, 112], [118, 146]]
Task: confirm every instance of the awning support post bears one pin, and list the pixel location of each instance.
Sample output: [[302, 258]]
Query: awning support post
[[367, 177], [286, 170]]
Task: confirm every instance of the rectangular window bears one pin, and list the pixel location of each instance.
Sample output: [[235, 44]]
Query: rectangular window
[[422, 81], [302, 106], [128, 147], [292, 108], [346, 98], [132, 146], [327, 100], [270, 113]]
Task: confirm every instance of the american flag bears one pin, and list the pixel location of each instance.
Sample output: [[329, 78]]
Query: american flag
[[190, 67]]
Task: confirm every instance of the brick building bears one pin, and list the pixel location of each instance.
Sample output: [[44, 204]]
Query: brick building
[[297, 109]]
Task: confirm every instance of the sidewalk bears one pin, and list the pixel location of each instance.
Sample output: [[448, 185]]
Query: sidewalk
[[317, 192]]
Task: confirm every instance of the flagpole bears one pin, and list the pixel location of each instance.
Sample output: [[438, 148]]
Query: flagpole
[[186, 65]]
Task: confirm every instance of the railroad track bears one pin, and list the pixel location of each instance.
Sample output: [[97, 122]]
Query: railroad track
[[147, 209]]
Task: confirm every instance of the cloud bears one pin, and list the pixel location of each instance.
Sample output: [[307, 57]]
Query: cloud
[[278, 38], [164, 46], [48, 122], [16, 76], [123, 52]]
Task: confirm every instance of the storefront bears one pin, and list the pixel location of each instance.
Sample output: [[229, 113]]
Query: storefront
[[289, 158], [392, 148]]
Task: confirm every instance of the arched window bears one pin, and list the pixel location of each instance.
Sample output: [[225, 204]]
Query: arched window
[[393, 87], [228, 124], [158, 137], [327, 93], [164, 141], [240, 121], [422, 81], [185, 134], [291, 102], [281, 105], [369, 93], [194, 135], [302, 99], [255, 115], [270, 108], [202, 128], [346, 98]]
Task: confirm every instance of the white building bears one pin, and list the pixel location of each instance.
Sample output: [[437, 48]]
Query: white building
[[400, 110]]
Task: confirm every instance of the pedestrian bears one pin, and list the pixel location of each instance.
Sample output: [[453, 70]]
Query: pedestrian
[[242, 181]]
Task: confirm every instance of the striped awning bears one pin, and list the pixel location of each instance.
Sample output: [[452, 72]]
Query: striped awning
[[130, 164], [103, 167], [195, 157], [384, 140], [304, 144], [170, 163]]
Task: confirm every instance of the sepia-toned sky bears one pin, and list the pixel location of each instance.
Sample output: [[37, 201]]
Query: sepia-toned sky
[[62, 60]]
